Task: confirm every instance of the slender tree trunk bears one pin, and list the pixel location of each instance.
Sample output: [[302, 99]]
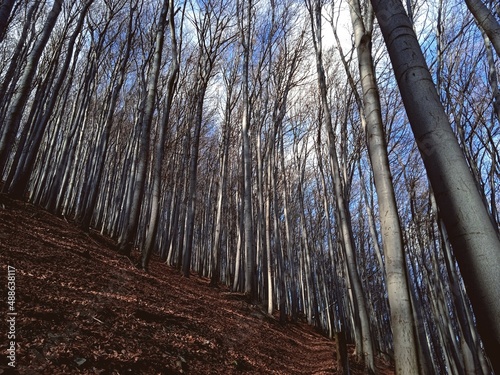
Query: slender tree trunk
[[250, 261], [15, 111], [12, 74], [160, 146], [402, 322], [20, 181], [109, 120], [222, 188], [340, 336], [210, 25], [193, 178], [492, 79], [145, 124], [5, 11], [237, 282], [343, 215], [288, 235]]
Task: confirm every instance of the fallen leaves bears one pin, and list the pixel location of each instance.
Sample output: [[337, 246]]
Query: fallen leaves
[[100, 315]]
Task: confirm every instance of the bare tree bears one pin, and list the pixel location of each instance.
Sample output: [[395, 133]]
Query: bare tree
[[5, 13], [405, 346], [24, 161], [211, 27], [487, 21], [148, 108], [160, 143], [345, 229], [474, 239], [13, 117], [245, 12]]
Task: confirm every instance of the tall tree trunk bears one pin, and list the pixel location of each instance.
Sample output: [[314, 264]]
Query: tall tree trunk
[[342, 211], [402, 322], [144, 134], [13, 118], [224, 166], [250, 261], [160, 145], [12, 73], [474, 240], [5, 10], [487, 21], [210, 25], [192, 181], [109, 120], [338, 327], [27, 161]]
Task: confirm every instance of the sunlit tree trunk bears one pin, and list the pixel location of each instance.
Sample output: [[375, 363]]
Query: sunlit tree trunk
[[344, 223], [338, 326], [474, 240], [160, 143], [405, 345], [486, 20], [246, 11], [211, 26], [221, 193]]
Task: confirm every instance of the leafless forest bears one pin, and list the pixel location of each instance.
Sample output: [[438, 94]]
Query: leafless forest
[[335, 161]]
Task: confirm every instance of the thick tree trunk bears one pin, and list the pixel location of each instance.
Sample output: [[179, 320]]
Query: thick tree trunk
[[474, 240], [487, 21]]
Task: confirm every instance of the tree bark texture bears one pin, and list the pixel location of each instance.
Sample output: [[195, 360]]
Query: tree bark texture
[[405, 345], [474, 240]]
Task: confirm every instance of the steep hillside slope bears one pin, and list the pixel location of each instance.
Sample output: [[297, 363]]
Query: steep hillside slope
[[83, 309]]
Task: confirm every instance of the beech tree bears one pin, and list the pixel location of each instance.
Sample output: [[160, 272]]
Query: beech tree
[[345, 229], [11, 122], [244, 142], [474, 239], [144, 126], [211, 27], [486, 20], [24, 160], [5, 13], [402, 322], [160, 143]]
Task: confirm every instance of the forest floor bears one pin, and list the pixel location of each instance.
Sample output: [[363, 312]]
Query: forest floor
[[83, 309]]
